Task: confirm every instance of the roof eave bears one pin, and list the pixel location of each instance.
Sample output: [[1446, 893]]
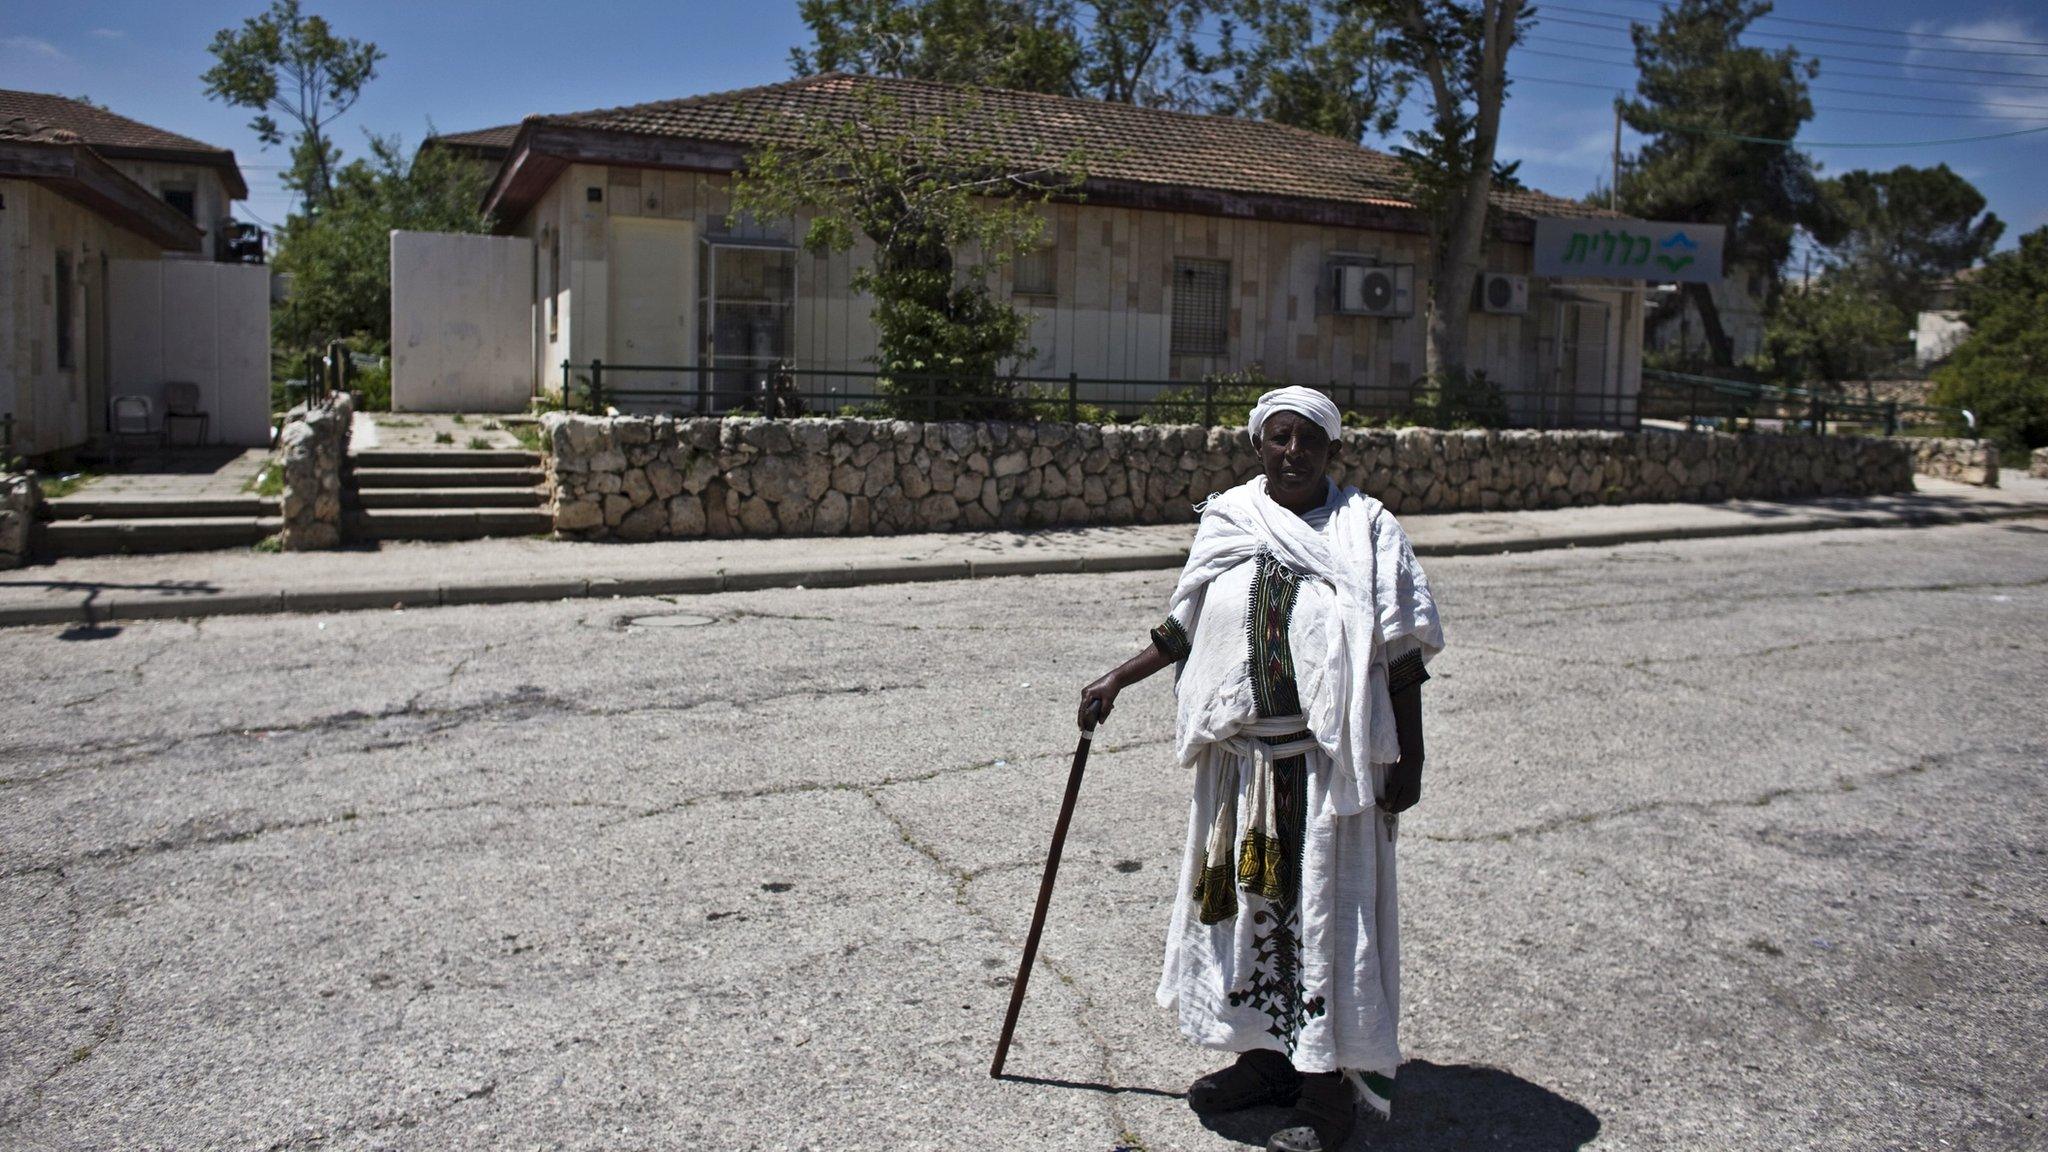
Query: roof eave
[[217, 158], [543, 151], [77, 173]]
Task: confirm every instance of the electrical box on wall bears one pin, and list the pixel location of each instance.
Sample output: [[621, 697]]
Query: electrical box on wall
[[1373, 290], [1502, 293]]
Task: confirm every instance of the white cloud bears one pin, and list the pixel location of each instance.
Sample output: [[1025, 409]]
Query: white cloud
[[1999, 102], [30, 46]]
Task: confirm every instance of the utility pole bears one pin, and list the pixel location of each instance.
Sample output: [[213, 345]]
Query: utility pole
[[1614, 175]]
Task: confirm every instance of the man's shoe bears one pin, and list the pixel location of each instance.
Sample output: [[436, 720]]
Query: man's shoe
[[1323, 1117], [1261, 1076]]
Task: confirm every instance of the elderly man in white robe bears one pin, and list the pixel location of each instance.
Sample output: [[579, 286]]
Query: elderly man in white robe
[[1302, 627]]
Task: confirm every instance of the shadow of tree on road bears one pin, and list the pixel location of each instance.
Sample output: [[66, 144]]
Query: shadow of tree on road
[[1448, 1108]]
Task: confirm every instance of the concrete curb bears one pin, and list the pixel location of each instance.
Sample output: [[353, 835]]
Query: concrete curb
[[355, 598]]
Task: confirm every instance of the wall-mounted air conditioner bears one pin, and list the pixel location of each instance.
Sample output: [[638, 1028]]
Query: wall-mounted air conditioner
[[1503, 294], [1374, 290]]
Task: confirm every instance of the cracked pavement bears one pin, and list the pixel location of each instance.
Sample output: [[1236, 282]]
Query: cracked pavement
[[1724, 844]]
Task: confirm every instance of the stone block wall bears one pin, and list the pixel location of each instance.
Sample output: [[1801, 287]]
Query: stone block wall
[[645, 478], [20, 503], [1967, 461], [313, 450]]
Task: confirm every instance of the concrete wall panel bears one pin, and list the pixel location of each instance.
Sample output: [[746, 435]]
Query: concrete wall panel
[[200, 322], [461, 322]]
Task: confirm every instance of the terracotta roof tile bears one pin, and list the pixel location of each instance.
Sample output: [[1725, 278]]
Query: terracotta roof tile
[[496, 140], [1120, 142], [109, 134]]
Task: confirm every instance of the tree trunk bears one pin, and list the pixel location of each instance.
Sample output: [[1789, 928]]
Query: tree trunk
[[1719, 345], [1458, 261]]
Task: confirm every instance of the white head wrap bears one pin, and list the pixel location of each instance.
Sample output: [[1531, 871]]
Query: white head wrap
[[1307, 401]]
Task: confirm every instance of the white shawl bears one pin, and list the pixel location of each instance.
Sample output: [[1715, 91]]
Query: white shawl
[[1236, 526]]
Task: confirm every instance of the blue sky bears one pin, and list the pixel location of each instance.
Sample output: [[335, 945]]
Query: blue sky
[[469, 65]]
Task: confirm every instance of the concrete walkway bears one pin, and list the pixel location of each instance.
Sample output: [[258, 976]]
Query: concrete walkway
[[416, 575]]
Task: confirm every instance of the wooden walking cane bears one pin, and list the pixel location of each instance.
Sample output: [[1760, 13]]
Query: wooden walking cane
[[1052, 870]]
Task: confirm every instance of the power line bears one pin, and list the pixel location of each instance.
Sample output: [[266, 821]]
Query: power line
[[1827, 39], [1833, 56], [1691, 130], [1829, 89], [1621, 90], [1630, 62], [1659, 5]]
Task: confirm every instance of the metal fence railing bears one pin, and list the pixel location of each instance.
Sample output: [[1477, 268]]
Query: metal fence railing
[[790, 391], [1694, 402], [1708, 401]]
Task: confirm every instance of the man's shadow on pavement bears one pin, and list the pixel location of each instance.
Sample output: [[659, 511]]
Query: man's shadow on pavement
[[1448, 1108]]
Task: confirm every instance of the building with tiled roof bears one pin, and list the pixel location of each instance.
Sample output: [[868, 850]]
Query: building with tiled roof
[[93, 206], [490, 144], [1197, 245]]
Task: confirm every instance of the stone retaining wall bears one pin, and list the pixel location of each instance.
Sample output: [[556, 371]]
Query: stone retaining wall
[[21, 500], [644, 478], [2039, 467], [313, 450], [1967, 461]]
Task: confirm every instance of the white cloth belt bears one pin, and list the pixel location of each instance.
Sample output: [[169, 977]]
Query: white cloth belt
[[1247, 742]]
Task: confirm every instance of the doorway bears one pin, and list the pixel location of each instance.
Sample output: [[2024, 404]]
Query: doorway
[[1584, 391], [651, 302]]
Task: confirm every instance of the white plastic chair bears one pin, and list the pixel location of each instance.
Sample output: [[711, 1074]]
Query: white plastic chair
[[128, 417]]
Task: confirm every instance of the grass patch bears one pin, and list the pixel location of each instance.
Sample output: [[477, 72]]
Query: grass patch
[[480, 443], [493, 426], [269, 544], [529, 436], [65, 484], [398, 423], [457, 418], [444, 437], [267, 482]]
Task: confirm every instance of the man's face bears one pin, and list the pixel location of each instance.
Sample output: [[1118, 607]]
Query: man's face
[[1295, 453]]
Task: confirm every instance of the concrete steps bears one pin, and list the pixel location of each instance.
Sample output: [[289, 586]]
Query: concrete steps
[[162, 534], [85, 524], [532, 497], [448, 477], [89, 507], [445, 523], [450, 458], [457, 494]]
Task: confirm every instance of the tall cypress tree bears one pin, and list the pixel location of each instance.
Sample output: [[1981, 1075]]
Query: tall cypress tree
[[1699, 92]]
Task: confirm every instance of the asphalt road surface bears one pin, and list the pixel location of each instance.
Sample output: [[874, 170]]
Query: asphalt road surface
[[1724, 845]]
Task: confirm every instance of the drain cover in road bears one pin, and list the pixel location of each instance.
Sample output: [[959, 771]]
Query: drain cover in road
[[672, 620]]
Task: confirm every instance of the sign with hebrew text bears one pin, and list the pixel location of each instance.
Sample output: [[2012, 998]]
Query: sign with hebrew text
[[1629, 250]]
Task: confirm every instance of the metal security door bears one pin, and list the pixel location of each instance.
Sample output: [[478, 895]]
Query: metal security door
[[1582, 338], [652, 306]]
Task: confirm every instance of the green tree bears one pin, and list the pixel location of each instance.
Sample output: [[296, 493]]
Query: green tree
[[924, 196], [1138, 51], [339, 260], [1698, 92], [1126, 51], [1324, 65], [2000, 372], [285, 63], [1908, 229], [1460, 50], [1834, 329], [1022, 44]]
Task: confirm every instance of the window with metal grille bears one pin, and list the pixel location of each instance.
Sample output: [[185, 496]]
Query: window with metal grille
[[1037, 272], [64, 354], [1201, 307]]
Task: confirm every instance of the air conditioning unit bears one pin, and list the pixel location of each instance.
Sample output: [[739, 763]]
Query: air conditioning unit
[[1374, 290], [1502, 293]]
